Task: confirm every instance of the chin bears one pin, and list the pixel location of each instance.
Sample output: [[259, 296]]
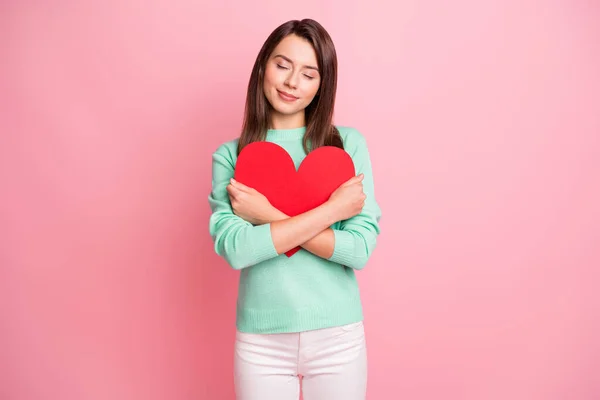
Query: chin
[[283, 108], [284, 111]]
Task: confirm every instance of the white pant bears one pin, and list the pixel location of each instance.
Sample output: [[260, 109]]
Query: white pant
[[332, 363]]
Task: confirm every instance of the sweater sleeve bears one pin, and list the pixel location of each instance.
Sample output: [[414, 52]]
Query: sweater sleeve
[[239, 242], [356, 238]]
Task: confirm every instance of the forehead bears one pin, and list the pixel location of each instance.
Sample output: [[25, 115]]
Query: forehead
[[298, 49]]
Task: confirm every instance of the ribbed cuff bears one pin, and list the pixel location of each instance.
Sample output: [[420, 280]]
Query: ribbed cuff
[[262, 244], [343, 250]]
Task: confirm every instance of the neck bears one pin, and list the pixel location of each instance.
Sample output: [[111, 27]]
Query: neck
[[286, 122]]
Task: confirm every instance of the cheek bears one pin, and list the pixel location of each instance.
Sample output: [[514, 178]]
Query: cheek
[[272, 77], [268, 78], [266, 85], [312, 89]]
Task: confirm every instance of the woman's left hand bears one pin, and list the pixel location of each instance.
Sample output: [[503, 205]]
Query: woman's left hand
[[250, 205]]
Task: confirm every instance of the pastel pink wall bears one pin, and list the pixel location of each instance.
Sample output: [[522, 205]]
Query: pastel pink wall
[[483, 119]]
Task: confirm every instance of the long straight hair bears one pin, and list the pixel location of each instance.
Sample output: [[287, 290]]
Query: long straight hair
[[320, 130]]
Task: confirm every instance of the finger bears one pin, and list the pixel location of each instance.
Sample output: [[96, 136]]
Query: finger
[[358, 178], [233, 191], [240, 186], [354, 179], [350, 181]]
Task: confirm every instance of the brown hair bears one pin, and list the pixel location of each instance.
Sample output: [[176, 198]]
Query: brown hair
[[320, 130]]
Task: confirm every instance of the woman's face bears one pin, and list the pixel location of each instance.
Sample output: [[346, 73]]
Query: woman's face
[[291, 70]]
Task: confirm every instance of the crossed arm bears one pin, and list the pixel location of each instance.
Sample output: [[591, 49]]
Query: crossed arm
[[246, 229], [253, 207]]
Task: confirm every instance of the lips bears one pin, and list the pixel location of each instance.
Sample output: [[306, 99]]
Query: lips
[[286, 96]]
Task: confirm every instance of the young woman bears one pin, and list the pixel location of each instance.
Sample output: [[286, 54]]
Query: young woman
[[299, 316]]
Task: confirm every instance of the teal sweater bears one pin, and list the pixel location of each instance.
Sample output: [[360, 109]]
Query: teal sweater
[[279, 294]]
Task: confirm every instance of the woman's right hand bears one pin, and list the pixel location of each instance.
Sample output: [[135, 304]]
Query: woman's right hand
[[349, 199]]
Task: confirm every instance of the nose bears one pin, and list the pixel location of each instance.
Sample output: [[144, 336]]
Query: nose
[[292, 80]]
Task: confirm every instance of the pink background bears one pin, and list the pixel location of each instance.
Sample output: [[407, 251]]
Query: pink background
[[483, 119]]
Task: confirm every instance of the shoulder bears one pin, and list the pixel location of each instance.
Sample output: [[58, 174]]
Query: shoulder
[[349, 133], [226, 151], [354, 141]]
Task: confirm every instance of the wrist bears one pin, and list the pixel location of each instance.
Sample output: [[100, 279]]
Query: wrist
[[330, 210], [276, 215]]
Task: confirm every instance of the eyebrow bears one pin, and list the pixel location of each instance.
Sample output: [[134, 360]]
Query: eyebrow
[[290, 61]]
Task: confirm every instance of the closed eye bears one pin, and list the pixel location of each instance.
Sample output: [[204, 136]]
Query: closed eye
[[308, 76]]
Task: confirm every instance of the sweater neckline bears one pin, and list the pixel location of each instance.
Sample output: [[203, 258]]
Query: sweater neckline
[[286, 134]]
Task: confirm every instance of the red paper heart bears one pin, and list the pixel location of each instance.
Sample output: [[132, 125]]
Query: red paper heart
[[268, 168]]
